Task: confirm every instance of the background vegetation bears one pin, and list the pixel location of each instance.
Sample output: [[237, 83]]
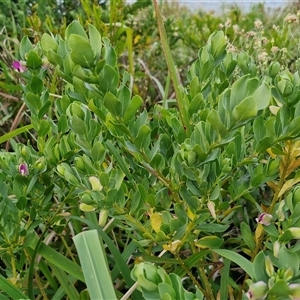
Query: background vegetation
[[158, 155]]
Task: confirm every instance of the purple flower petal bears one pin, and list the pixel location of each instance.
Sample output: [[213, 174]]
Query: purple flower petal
[[264, 219], [23, 169], [18, 66]]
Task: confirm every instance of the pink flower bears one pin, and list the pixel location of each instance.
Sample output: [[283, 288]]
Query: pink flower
[[264, 219], [23, 169], [257, 291], [19, 66]]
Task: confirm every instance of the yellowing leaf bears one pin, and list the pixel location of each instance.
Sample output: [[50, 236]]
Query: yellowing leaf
[[190, 214], [294, 165], [272, 185], [269, 150], [136, 39], [173, 247], [156, 220], [259, 232], [247, 251], [289, 184]]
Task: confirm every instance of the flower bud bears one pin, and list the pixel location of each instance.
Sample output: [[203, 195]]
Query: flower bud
[[23, 169], [285, 87], [295, 291], [79, 163], [252, 69], [269, 267], [25, 151], [218, 44], [56, 152], [295, 231], [40, 164], [60, 170], [288, 274], [226, 165], [264, 219], [86, 208], [103, 217], [280, 211], [271, 282], [95, 182], [276, 248], [45, 62], [192, 158], [257, 291], [274, 69], [211, 206], [280, 273]]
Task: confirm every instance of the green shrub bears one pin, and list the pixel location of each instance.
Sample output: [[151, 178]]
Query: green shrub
[[204, 189]]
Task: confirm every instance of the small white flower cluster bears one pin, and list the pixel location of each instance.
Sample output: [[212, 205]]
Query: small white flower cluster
[[291, 18]]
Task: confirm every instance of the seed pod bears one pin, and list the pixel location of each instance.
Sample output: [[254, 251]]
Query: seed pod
[[79, 163], [274, 69], [61, 170], [192, 158], [103, 217], [25, 152]]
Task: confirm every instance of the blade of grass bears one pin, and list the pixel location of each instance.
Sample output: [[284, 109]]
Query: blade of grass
[[12, 291], [129, 42], [94, 265], [57, 259], [245, 264], [61, 262], [120, 262], [183, 108], [91, 216], [46, 272], [166, 93], [225, 279], [14, 133], [60, 292], [3, 297], [51, 256], [113, 249], [63, 279], [129, 249]]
